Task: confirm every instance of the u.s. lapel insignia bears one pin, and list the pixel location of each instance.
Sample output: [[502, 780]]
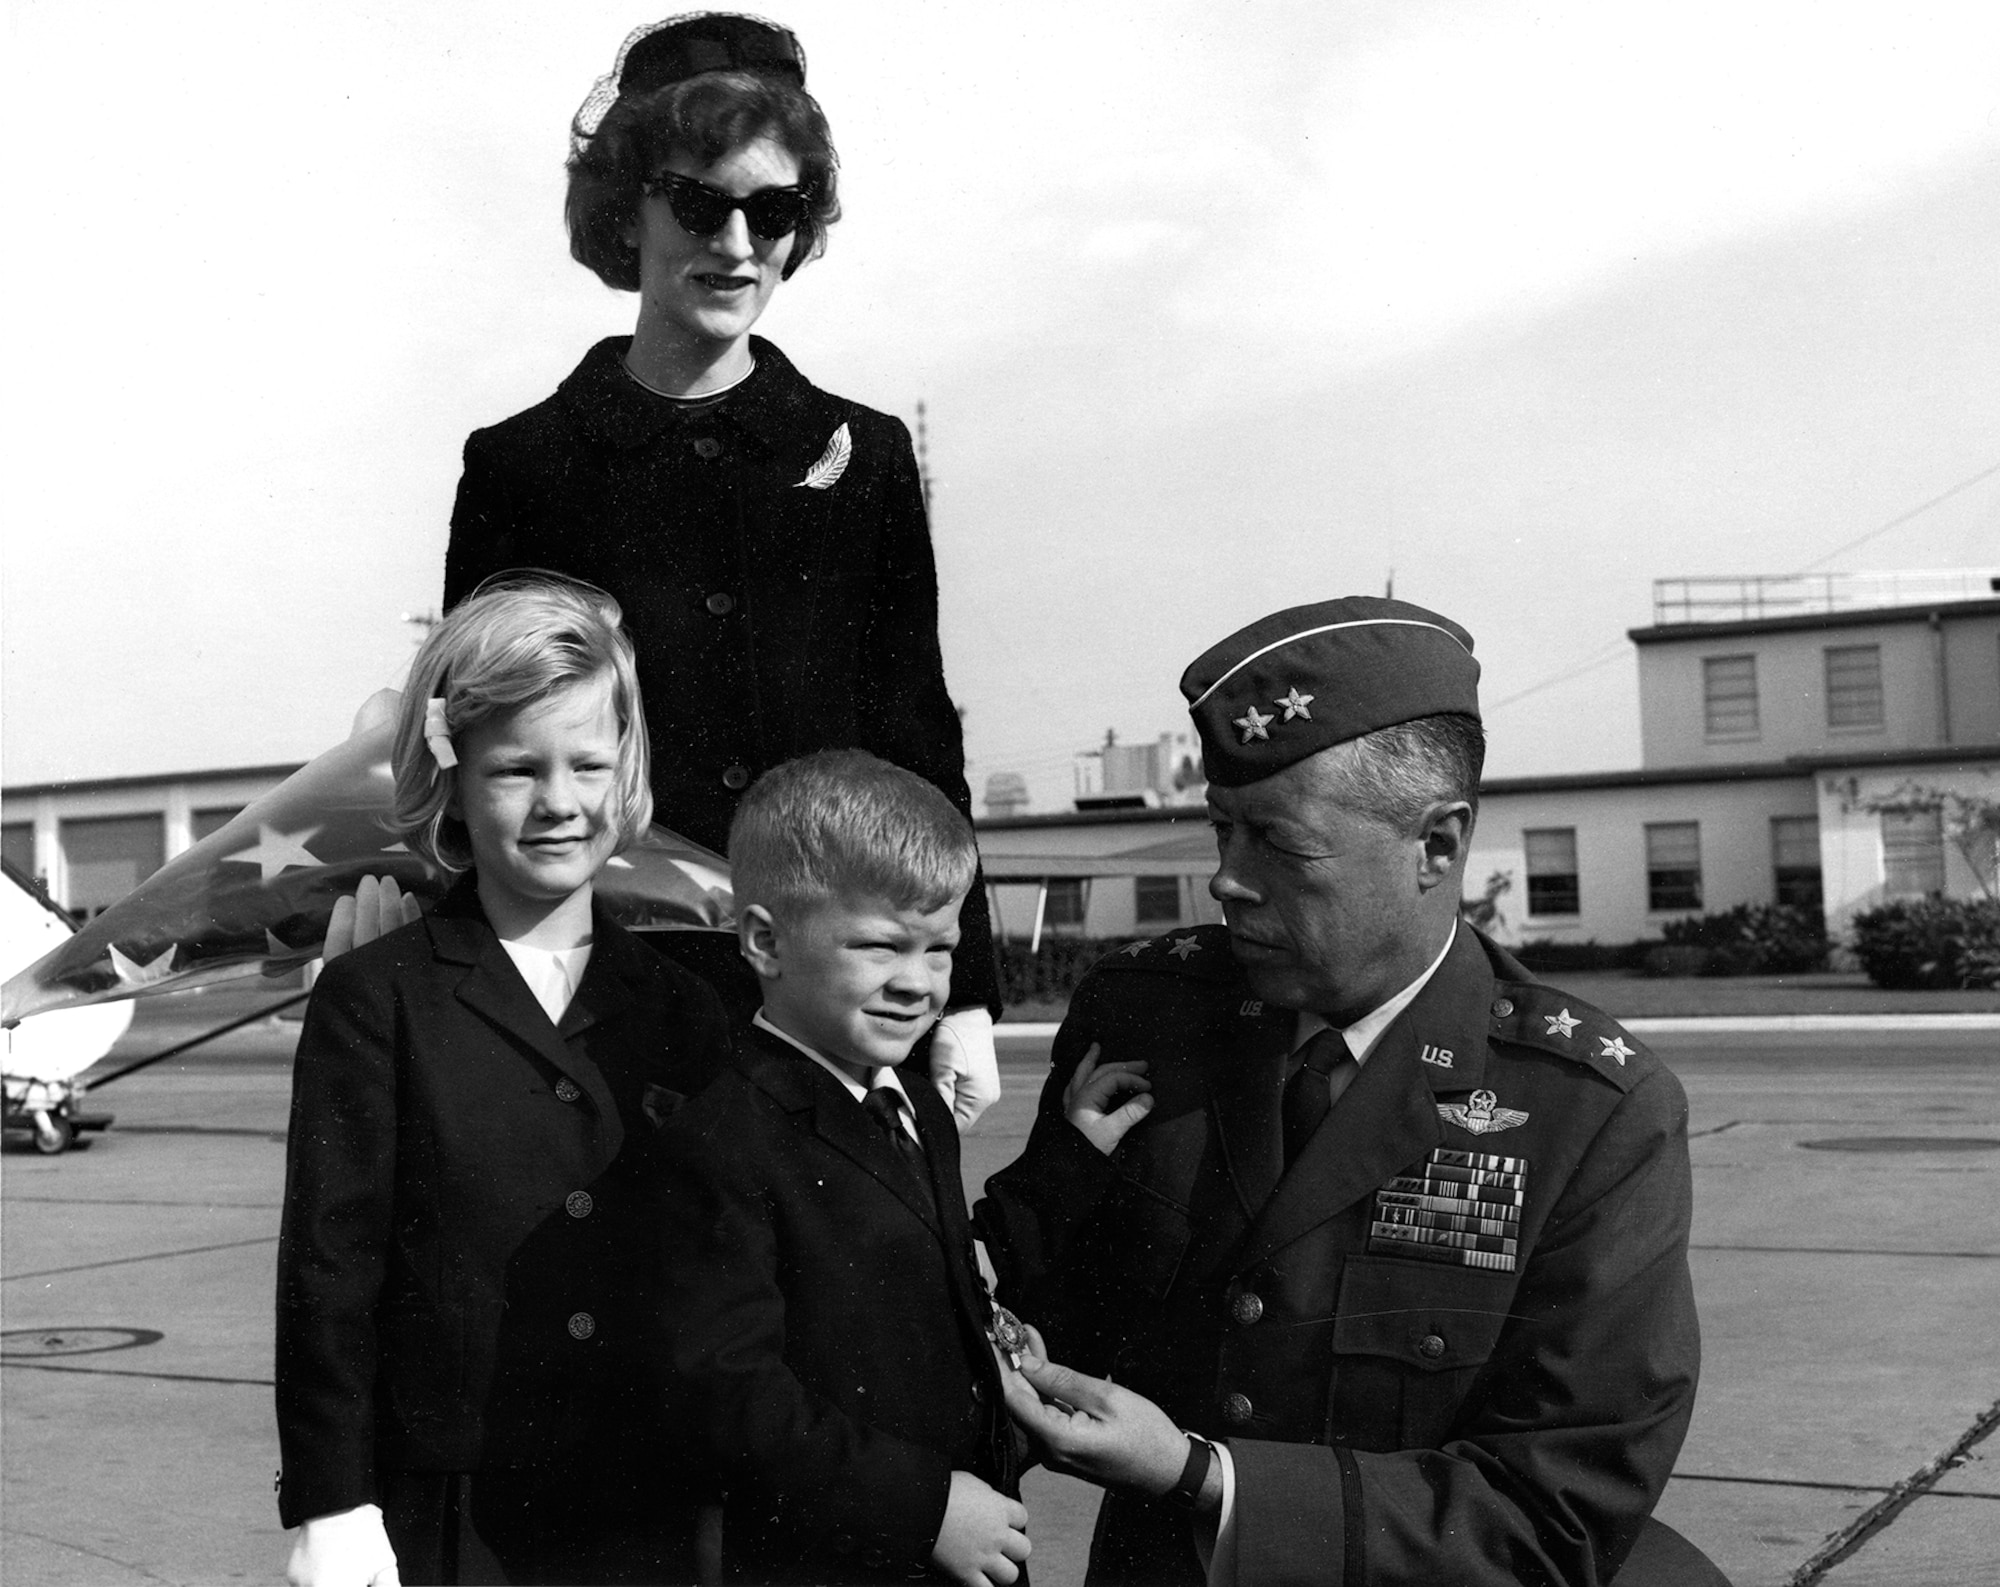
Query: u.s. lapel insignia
[[1563, 1024], [1441, 1056], [1479, 1115], [1614, 1047], [825, 474], [1251, 1008]]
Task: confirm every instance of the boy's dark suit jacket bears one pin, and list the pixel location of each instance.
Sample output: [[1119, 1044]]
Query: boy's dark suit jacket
[[826, 1324], [464, 1271]]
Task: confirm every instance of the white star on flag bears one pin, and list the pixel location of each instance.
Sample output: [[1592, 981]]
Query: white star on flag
[[1614, 1047], [1256, 724], [132, 973], [275, 852], [1295, 703], [1183, 946], [1563, 1024]]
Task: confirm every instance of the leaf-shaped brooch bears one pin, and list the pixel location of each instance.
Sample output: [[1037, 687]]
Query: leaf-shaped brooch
[[825, 474]]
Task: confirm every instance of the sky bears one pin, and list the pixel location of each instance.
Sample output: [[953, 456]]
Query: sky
[[1214, 308]]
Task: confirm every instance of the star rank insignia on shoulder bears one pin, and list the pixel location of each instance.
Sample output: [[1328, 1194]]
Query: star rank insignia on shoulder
[[1552, 1021], [1199, 951]]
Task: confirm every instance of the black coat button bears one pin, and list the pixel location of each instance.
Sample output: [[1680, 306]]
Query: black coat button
[[736, 778], [582, 1325], [1431, 1346], [567, 1090], [721, 603], [1247, 1308], [707, 446], [1237, 1409], [578, 1204], [1502, 1007]]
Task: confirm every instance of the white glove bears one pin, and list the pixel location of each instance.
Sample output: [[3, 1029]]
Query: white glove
[[348, 1548], [964, 1067]]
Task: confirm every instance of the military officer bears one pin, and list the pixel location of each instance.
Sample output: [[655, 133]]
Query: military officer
[[1383, 1243]]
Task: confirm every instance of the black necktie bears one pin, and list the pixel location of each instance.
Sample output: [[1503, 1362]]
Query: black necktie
[[1310, 1092], [885, 1106]]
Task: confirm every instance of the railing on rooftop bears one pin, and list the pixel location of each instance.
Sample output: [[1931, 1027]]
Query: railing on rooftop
[[1731, 600]]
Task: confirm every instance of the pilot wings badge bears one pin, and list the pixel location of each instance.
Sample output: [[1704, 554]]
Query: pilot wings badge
[[1479, 1115]]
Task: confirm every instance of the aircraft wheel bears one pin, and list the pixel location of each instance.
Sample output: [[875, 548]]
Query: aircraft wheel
[[53, 1134]]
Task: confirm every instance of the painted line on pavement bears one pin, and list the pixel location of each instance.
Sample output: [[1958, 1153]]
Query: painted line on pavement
[[1717, 1024], [150, 1256]]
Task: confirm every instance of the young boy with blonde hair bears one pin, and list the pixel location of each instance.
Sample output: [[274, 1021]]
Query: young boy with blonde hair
[[825, 1317]]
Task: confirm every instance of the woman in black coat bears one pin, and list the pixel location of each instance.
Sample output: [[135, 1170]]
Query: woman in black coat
[[767, 540]]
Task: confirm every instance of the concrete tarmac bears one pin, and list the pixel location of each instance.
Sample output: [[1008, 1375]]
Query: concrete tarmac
[[1846, 1260]]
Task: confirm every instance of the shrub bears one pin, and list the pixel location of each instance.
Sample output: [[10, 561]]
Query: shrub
[[1051, 973], [1931, 943], [1751, 939], [1546, 957]]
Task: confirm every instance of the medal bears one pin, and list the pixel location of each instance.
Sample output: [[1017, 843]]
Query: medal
[[1009, 1335]]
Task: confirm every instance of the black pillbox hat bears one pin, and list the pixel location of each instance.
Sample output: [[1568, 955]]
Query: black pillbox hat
[[1309, 677]]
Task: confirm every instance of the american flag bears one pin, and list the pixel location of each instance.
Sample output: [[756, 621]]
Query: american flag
[[254, 897]]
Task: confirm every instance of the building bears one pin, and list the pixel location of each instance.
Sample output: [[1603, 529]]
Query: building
[[89, 843], [1800, 742]]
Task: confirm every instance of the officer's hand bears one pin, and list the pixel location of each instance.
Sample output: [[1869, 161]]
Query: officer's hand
[[349, 1548], [375, 908], [984, 1538], [1092, 1428], [964, 1066], [1089, 1098]]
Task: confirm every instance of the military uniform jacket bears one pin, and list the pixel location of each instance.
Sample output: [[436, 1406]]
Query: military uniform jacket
[[773, 558], [825, 1322], [463, 1273], [1455, 1342]]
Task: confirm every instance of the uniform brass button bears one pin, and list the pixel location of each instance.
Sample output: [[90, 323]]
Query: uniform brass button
[[578, 1204], [1502, 1007], [1431, 1346], [1237, 1408], [1248, 1308], [736, 778], [721, 603], [708, 446], [582, 1325], [567, 1090]]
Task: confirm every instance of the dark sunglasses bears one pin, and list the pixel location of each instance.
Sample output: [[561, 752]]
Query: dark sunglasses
[[702, 211]]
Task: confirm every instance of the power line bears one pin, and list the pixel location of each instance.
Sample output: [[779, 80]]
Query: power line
[[1610, 653], [1896, 523]]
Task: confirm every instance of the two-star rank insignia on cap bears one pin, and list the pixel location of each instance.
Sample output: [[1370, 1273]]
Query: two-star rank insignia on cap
[[1479, 1115], [1256, 725], [1294, 703]]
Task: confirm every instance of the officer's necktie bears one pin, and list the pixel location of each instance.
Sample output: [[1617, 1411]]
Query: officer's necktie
[[885, 1106], [1325, 1068]]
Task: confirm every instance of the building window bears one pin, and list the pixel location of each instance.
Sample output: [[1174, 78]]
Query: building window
[[1067, 896], [17, 843], [1673, 865], [1729, 696], [1854, 686], [203, 823], [1552, 874], [1156, 899], [1795, 861], [1912, 853], [104, 859]]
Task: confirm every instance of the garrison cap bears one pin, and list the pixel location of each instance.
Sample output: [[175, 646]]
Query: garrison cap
[[1309, 677]]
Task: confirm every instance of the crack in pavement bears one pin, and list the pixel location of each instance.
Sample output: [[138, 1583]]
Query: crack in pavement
[[1878, 1517], [88, 1553]]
